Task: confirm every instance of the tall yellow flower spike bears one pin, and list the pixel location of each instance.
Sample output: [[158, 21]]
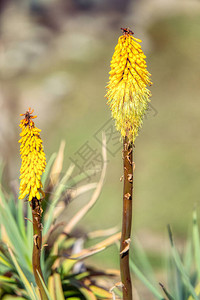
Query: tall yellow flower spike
[[127, 93], [33, 158]]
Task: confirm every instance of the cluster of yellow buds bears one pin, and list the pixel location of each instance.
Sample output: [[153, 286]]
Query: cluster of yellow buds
[[127, 94], [33, 158]]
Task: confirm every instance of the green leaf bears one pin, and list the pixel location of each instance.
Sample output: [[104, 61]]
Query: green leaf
[[74, 298], [1, 169], [10, 297], [85, 291], [48, 168], [7, 279], [84, 210], [143, 261], [22, 276], [146, 282], [51, 287], [188, 256], [29, 227], [197, 290], [13, 233], [196, 242], [68, 263], [58, 287], [180, 267], [73, 294], [36, 292], [20, 219], [166, 292], [44, 286], [100, 293], [60, 189], [48, 264], [4, 261]]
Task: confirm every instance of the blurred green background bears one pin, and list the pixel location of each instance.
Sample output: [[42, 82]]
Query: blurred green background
[[55, 56]]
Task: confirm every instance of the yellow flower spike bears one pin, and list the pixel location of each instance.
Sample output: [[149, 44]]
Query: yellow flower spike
[[33, 158], [127, 93]]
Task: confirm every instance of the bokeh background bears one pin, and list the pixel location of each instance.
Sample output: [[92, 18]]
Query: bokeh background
[[55, 56]]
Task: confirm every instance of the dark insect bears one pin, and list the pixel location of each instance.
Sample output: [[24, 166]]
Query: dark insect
[[28, 115], [126, 31]]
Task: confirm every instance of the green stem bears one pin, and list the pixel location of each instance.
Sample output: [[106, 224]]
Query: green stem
[[37, 245], [127, 220]]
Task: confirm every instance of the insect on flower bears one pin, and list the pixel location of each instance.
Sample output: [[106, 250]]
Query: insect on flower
[[28, 116], [126, 31]]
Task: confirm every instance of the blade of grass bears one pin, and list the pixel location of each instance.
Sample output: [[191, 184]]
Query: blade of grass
[[10, 224], [6, 279], [22, 276], [80, 214], [51, 287], [188, 257], [4, 261], [197, 290], [1, 169], [85, 253], [144, 262], [36, 292], [13, 234], [102, 232], [20, 219], [166, 292], [48, 168], [9, 297], [196, 242], [60, 189], [180, 266], [58, 287], [172, 274], [44, 286], [95, 195], [146, 282], [100, 293], [29, 228], [58, 164], [85, 291], [74, 194]]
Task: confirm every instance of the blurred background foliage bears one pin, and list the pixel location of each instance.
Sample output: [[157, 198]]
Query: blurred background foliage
[[55, 56]]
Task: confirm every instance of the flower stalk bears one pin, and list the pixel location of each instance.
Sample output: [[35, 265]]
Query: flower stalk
[[35, 205], [32, 167], [126, 219], [128, 99]]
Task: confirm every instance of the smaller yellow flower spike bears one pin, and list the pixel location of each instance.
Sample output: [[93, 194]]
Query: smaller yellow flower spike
[[33, 158], [127, 94]]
